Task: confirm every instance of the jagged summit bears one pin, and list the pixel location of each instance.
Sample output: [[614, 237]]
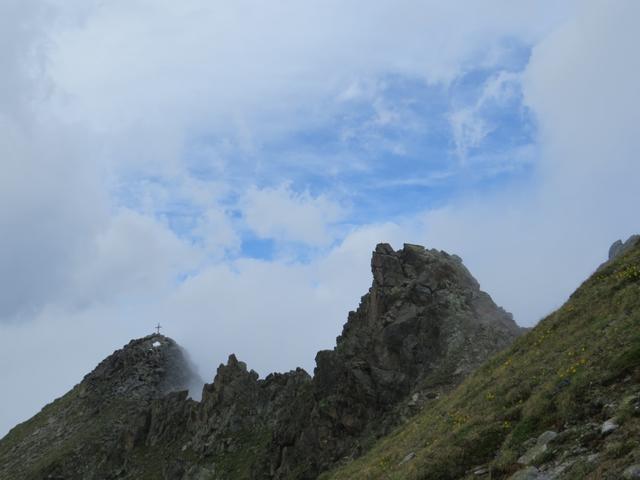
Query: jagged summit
[[619, 247], [103, 417], [145, 368], [562, 402], [423, 307], [420, 329]]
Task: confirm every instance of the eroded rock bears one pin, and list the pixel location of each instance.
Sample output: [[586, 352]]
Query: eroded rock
[[609, 426], [632, 472], [421, 328], [537, 450]]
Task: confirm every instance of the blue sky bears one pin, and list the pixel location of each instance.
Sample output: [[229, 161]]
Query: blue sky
[[226, 168]]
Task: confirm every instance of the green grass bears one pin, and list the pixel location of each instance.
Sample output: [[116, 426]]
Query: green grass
[[82, 439], [556, 376], [20, 436]]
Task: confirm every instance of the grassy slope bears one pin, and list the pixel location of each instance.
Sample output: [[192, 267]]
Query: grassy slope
[[578, 367], [23, 437], [36, 460]]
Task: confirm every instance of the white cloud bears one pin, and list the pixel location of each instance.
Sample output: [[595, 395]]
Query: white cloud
[[287, 216], [532, 244], [52, 204], [216, 233], [135, 259], [469, 129], [147, 75], [582, 81], [470, 124], [23, 36]]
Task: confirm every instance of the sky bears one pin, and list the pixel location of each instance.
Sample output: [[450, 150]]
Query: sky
[[226, 168]]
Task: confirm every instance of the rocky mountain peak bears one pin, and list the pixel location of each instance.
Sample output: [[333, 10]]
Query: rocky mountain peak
[[145, 368], [423, 325], [415, 263], [619, 247], [230, 382], [421, 302]]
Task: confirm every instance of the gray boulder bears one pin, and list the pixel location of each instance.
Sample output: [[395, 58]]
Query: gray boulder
[[632, 472], [540, 447], [619, 247]]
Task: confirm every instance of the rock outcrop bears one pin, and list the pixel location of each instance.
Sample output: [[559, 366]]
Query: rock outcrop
[[619, 247], [92, 430], [423, 326], [561, 403]]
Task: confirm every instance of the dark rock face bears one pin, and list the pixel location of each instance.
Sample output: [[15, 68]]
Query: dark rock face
[[422, 327], [619, 247], [91, 431], [144, 369]]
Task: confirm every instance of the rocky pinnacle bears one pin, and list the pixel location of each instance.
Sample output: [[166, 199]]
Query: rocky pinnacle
[[422, 327]]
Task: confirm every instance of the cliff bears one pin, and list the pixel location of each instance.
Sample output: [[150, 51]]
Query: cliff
[[423, 327]]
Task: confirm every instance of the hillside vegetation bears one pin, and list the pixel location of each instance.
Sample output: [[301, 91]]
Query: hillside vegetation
[[576, 374]]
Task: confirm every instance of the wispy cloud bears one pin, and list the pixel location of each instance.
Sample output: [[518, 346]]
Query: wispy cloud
[[287, 216], [500, 96]]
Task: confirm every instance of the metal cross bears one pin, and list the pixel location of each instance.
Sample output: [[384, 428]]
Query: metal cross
[[158, 327]]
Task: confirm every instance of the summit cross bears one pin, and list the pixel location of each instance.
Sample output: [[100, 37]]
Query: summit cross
[[158, 327]]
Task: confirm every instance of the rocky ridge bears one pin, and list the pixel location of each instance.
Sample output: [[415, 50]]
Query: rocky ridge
[[421, 329], [89, 432], [620, 248], [561, 403]]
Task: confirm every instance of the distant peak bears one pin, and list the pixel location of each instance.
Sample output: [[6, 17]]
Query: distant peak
[[145, 367], [619, 247]]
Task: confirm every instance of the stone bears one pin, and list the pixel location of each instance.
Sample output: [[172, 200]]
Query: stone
[[558, 470], [410, 456], [608, 427], [618, 247], [615, 248], [538, 449], [546, 437], [529, 473], [632, 472], [532, 454]]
